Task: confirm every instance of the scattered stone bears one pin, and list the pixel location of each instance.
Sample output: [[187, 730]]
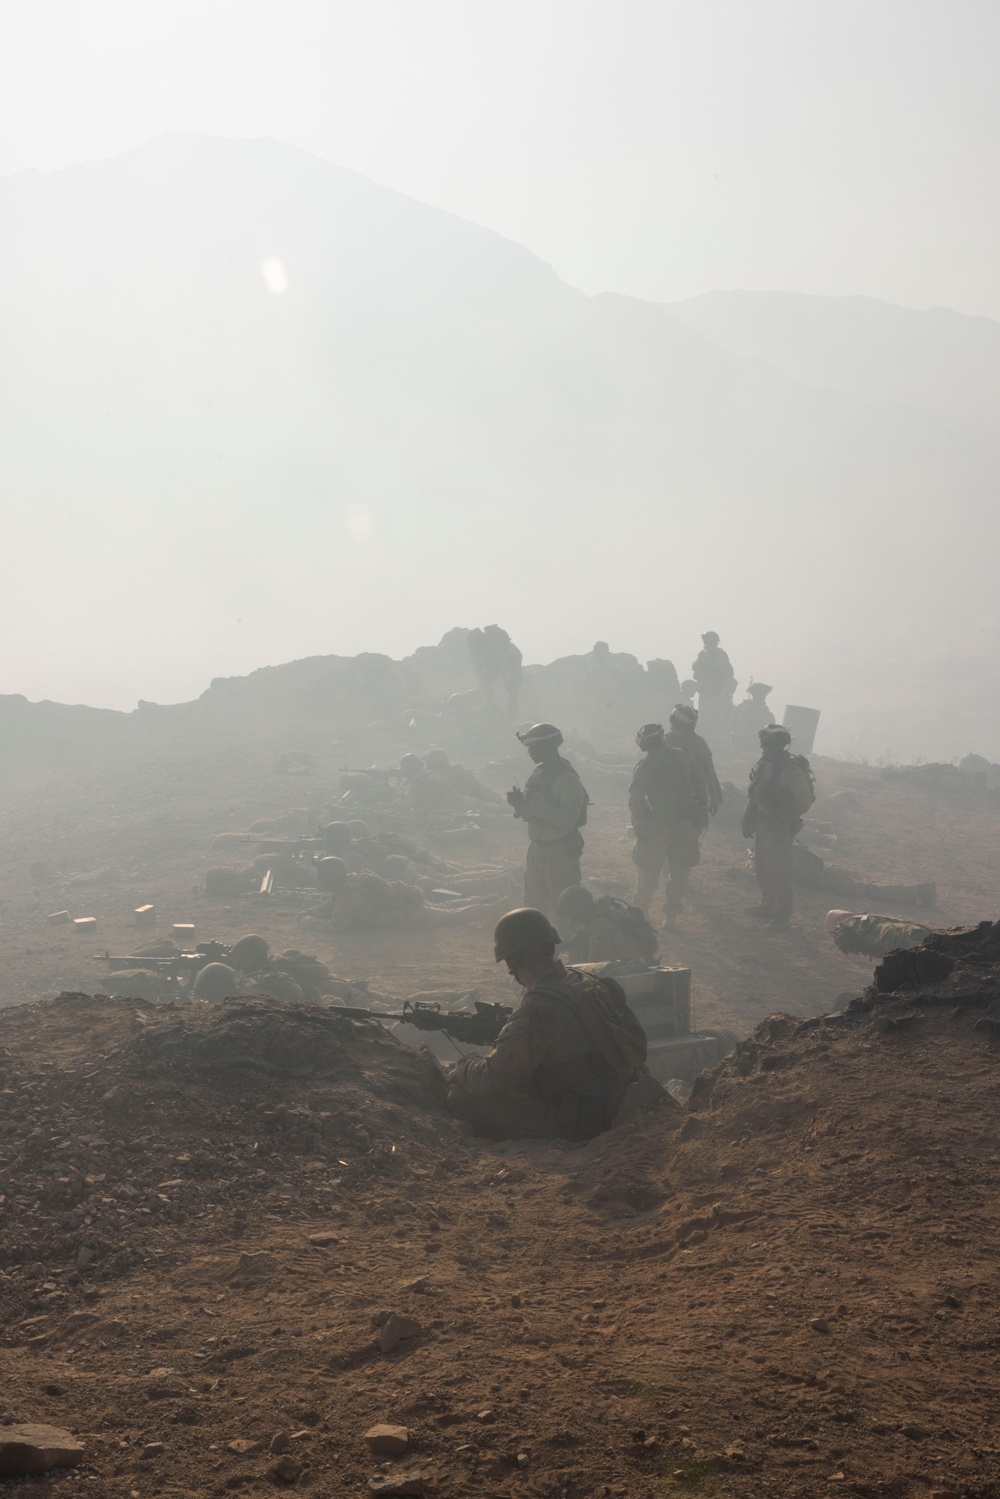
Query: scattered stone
[[736, 1454], [395, 1330], [953, 1301], [379, 1319], [914, 1432], [419, 1287], [286, 1470], [152, 1449], [29, 1449], [85, 1257], [245, 1446], [819, 1324], [523, 1459], [324, 1240], [255, 1266], [487, 1415], [387, 1441], [280, 1442], [397, 1484]]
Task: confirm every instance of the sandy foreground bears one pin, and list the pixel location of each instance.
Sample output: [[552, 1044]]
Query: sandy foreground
[[788, 1289]]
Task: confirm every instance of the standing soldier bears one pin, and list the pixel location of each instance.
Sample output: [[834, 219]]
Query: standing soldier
[[682, 736], [668, 804], [554, 805], [752, 715], [781, 791], [716, 684]]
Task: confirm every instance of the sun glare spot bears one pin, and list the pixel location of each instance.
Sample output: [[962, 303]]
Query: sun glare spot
[[359, 522], [275, 276]]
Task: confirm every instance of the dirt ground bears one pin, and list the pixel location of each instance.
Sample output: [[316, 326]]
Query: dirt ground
[[789, 1290], [103, 839]]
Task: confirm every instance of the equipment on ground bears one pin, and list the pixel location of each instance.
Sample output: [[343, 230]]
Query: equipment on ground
[[660, 999]]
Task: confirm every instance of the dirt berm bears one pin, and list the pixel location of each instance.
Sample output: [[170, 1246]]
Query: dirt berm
[[789, 1289]]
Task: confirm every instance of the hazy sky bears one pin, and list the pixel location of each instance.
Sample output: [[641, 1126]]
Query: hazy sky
[[656, 147]]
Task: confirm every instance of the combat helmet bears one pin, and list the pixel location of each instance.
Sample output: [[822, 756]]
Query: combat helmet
[[249, 954], [436, 759], [331, 872], [359, 828], [521, 930], [336, 835], [411, 765], [576, 902], [541, 733], [647, 734], [773, 733], [711, 637], [684, 714], [759, 688], [214, 983]]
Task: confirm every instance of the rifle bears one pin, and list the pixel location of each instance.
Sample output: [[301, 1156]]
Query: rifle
[[375, 771], [180, 969], [478, 1027]]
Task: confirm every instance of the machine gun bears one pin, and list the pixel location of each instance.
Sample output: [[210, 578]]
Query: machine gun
[[478, 1027], [180, 969]]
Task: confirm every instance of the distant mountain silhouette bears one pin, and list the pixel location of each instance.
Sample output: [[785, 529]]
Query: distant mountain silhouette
[[429, 428], [937, 359]]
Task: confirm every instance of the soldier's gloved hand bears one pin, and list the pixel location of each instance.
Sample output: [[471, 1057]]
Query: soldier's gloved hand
[[515, 799]]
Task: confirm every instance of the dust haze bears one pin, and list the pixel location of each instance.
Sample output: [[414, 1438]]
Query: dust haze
[[260, 406], [500, 748]]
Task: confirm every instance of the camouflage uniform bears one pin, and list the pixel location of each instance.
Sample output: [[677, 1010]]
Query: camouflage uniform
[[749, 717], [561, 1065], [668, 804], [877, 935], [809, 869], [555, 808], [780, 791], [697, 749], [366, 900], [713, 672], [609, 935]]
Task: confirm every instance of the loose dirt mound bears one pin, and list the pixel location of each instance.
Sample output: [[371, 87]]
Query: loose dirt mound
[[788, 1290], [121, 1123]]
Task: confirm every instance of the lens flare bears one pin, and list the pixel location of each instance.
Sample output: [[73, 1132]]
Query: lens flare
[[275, 276]]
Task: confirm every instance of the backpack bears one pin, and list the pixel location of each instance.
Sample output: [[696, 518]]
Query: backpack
[[634, 922], [802, 787]]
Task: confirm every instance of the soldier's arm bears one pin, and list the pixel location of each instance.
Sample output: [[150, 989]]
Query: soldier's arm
[[517, 1051]]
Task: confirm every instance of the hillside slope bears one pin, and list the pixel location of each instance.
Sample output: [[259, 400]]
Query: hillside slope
[[939, 360], [206, 477], [789, 1288]]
